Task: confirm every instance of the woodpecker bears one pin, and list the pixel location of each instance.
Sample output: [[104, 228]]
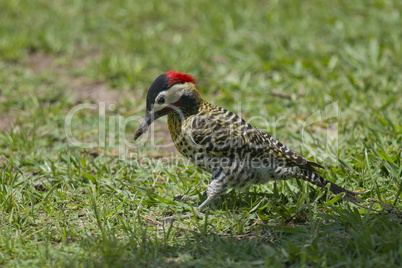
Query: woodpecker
[[218, 141]]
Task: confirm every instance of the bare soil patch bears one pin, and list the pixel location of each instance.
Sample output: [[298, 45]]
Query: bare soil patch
[[85, 90], [95, 92], [39, 62], [6, 122]]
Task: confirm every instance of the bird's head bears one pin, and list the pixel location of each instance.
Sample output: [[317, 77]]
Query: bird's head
[[170, 92]]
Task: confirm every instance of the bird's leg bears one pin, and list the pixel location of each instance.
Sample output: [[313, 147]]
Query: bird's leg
[[216, 186], [183, 198]]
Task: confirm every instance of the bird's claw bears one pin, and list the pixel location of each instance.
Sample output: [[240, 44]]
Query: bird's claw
[[184, 198], [197, 214]]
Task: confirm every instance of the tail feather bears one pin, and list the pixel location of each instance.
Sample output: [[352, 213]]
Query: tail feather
[[316, 179]]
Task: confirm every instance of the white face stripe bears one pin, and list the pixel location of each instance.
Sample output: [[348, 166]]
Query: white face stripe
[[171, 95], [158, 107]]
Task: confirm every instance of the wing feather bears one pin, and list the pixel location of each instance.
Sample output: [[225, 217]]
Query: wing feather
[[224, 134]]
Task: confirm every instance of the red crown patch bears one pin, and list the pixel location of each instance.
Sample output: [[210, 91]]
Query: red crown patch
[[177, 77]]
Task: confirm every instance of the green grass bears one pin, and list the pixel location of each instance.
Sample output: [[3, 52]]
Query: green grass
[[65, 206]]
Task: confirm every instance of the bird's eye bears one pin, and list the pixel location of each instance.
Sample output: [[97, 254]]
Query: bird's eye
[[161, 100]]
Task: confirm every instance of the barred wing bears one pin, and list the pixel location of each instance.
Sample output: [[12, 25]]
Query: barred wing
[[224, 134]]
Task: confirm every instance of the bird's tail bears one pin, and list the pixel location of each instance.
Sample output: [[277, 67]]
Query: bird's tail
[[314, 178]]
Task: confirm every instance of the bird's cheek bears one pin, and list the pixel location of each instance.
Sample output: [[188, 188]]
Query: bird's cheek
[[171, 107], [164, 111]]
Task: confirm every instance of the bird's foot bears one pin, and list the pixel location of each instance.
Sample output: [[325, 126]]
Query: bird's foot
[[183, 198], [196, 213]]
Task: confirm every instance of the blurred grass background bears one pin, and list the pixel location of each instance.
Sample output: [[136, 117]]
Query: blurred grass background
[[279, 60]]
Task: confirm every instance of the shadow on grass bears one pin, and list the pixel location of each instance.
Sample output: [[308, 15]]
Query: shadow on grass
[[343, 237]]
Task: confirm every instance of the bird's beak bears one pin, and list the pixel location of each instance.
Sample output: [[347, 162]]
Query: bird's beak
[[146, 122], [151, 116]]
